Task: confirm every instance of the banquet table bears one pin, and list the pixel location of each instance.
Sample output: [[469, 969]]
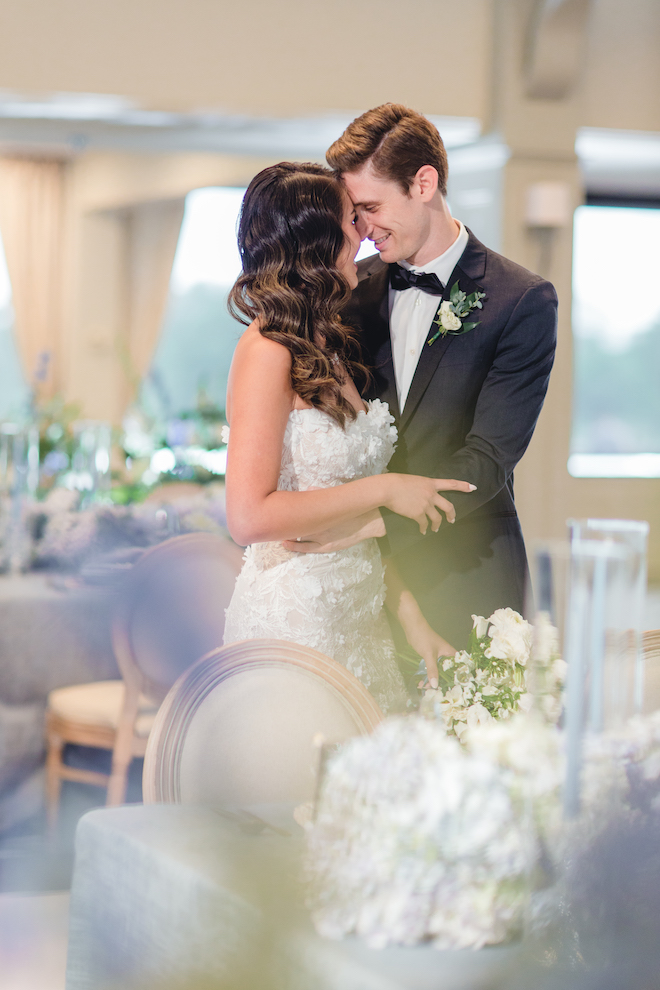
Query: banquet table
[[177, 896], [51, 635]]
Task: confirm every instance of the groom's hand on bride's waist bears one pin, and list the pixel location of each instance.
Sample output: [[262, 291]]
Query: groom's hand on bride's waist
[[364, 527]]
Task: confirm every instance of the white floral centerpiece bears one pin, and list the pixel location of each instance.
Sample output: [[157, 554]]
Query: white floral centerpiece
[[70, 537], [427, 834], [493, 679], [418, 838]]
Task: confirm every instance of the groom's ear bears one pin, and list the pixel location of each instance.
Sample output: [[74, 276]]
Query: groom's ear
[[425, 183]]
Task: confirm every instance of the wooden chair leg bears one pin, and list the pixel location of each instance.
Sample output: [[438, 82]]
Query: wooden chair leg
[[53, 779], [118, 782], [122, 755]]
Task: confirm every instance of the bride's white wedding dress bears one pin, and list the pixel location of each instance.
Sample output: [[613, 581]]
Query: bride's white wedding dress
[[332, 602]]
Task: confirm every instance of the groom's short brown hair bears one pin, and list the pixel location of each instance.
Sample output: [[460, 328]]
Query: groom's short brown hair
[[396, 140]]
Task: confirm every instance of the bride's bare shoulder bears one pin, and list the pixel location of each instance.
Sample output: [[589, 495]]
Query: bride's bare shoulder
[[253, 347], [260, 367]]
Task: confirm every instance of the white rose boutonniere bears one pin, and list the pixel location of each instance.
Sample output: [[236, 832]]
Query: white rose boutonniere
[[452, 313], [448, 318]]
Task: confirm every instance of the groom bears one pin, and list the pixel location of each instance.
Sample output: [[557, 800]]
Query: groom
[[461, 343]]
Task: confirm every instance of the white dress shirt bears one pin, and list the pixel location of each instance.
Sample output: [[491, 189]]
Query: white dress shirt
[[412, 312]]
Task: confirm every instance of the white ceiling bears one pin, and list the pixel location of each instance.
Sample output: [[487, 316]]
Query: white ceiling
[[71, 122]]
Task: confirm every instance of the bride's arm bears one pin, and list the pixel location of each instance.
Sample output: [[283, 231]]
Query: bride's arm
[[421, 636], [260, 399]]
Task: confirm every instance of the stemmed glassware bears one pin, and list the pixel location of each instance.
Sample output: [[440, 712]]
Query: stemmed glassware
[[90, 463], [19, 480]]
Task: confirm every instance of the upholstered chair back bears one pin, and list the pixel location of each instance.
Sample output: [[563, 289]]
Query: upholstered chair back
[[244, 724], [172, 608]]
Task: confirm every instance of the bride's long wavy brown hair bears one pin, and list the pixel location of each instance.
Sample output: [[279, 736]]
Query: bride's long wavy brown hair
[[290, 238]]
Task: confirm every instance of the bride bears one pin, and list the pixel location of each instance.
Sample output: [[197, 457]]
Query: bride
[[305, 452]]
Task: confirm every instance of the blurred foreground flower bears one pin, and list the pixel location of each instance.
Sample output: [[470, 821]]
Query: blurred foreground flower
[[69, 537], [418, 838]]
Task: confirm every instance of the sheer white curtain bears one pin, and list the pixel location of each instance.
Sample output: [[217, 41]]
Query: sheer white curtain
[[31, 221], [152, 237]]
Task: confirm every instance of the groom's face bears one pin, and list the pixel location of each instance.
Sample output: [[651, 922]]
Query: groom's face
[[396, 221]]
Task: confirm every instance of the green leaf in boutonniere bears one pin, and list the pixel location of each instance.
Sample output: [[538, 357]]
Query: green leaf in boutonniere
[[451, 315]]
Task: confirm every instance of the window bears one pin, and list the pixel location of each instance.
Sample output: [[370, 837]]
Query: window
[[198, 336], [194, 352], [14, 393], [616, 341]]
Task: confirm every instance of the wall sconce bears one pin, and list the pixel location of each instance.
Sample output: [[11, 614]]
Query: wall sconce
[[548, 204], [547, 210]]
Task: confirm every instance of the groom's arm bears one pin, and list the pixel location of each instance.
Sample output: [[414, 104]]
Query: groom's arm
[[506, 412]]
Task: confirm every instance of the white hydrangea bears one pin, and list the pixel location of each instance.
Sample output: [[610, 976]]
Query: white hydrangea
[[417, 838], [420, 838]]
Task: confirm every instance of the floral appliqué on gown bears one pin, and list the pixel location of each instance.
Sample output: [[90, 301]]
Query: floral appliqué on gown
[[331, 602]]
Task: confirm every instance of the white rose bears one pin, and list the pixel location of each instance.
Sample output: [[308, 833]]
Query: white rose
[[511, 636], [462, 674], [480, 626], [452, 706], [448, 319], [459, 729], [478, 715]]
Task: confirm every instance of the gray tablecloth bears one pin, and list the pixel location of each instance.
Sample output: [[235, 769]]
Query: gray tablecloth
[[174, 897], [49, 638]]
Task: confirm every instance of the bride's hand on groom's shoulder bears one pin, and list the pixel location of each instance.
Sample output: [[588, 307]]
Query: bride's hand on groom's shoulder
[[365, 527], [419, 498]]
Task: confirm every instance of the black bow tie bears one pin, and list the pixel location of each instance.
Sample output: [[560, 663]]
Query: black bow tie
[[402, 278]]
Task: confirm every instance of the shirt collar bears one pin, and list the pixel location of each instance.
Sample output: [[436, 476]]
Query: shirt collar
[[444, 265]]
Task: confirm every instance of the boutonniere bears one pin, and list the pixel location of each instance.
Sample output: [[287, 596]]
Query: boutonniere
[[453, 311]]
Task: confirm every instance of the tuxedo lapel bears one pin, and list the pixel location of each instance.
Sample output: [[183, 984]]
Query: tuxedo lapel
[[375, 321], [471, 265], [429, 360]]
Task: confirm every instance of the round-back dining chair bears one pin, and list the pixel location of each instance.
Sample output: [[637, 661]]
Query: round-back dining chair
[[239, 727], [170, 611]]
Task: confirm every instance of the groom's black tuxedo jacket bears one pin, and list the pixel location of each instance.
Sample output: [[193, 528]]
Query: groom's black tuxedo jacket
[[470, 414]]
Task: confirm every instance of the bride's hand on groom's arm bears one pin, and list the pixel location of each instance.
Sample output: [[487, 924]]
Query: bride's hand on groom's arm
[[364, 527], [408, 495], [419, 498]]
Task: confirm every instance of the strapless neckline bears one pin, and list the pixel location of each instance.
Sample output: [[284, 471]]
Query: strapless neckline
[[359, 412]]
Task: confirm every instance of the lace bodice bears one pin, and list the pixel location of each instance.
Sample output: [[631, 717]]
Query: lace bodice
[[318, 453], [333, 601]]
